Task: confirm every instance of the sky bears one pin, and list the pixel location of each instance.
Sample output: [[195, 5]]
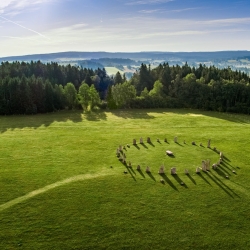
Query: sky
[[47, 26]]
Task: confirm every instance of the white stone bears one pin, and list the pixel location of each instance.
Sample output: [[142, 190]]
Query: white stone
[[168, 152]]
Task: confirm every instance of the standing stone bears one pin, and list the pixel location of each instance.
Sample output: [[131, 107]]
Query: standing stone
[[158, 140], [193, 143], [141, 140], [214, 166], [165, 140], [120, 147], [148, 170], [129, 164], [198, 170], [138, 167], [161, 170], [134, 141], [176, 139], [148, 140], [173, 170], [201, 145], [204, 167], [208, 143], [221, 155], [186, 171], [208, 165]]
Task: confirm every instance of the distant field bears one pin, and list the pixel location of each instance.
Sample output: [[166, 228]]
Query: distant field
[[62, 186], [113, 70]]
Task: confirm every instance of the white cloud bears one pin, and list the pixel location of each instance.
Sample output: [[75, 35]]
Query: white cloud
[[7, 6]]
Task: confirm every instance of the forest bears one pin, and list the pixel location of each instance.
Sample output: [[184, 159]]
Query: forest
[[35, 87]]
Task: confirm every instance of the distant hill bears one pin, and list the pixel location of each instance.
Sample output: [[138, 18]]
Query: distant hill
[[129, 62], [165, 56]]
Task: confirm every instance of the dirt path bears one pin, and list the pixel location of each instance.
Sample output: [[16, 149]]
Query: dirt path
[[49, 187]]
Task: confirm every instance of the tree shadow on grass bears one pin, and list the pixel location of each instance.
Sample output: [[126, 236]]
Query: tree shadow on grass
[[35, 121], [95, 115], [191, 178], [167, 180], [151, 176], [132, 114], [235, 118]]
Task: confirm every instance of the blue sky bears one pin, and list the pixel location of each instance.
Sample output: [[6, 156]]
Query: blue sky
[[45, 26]]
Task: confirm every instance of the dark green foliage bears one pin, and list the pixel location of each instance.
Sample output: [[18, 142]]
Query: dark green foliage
[[29, 88], [207, 88]]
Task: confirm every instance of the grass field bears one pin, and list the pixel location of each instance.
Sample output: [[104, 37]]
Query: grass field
[[58, 190], [113, 70]]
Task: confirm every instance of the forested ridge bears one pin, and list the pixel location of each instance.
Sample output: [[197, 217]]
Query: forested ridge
[[30, 88]]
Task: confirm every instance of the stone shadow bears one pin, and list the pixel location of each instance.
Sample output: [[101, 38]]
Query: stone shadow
[[141, 173], [222, 183], [136, 146], [151, 176], [202, 177], [179, 180], [167, 180], [216, 182], [191, 178], [144, 145], [151, 143]]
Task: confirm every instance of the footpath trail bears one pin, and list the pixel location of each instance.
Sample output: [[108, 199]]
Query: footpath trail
[[49, 187]]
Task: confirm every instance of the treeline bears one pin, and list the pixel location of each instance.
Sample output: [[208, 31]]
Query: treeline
[[29, 88], [207, 88]]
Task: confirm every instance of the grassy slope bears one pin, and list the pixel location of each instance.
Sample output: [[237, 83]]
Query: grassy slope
[[124, 211]]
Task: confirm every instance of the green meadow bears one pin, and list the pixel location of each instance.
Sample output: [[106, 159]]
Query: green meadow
[[63, 187]]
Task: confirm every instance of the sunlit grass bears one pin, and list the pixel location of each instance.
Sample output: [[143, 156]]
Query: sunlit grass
[[116, 210]]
